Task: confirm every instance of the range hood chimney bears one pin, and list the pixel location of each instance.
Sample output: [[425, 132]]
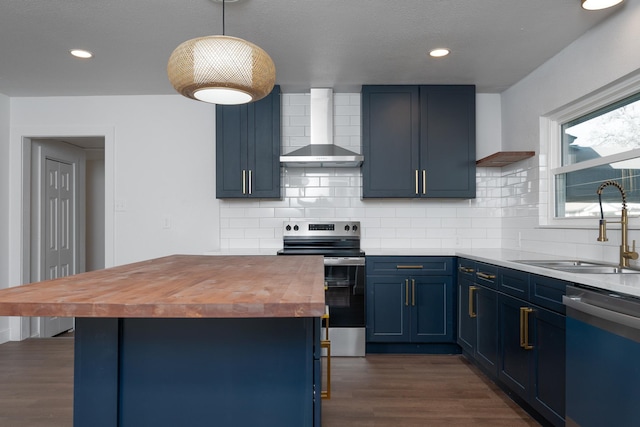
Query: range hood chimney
[[321, 152]]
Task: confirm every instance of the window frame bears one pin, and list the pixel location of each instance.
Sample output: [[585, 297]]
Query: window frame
[[551, 149]]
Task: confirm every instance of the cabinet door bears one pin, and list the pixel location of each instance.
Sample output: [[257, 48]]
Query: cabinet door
[[432, 306], [388, 309], [263, 153], [390, 135], [467, 314], [231, 150], [549, 350], [487, 324], [447, 141], [514, 362], [248, 149]]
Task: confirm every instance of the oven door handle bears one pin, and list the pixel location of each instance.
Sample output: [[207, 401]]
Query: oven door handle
[[346, 261]]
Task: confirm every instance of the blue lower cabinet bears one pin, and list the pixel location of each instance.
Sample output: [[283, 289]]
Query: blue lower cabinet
[[410, 300], [519, 336], [515, 358], [487, 329], [531, 360], [432, 306], [388, 315], [549, 365], [467, 309]]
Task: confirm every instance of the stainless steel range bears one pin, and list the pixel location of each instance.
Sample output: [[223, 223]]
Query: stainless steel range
[[344, 276]]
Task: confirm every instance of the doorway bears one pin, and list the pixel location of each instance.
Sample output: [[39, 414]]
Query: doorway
[[66, 214]]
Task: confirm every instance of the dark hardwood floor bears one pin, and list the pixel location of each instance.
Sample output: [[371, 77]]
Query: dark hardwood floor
[[36, 390], [416, 390]]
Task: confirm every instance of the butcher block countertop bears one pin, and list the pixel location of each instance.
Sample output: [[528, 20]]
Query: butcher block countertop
[[180, 286]]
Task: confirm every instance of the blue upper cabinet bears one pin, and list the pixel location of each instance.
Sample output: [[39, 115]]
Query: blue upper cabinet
[[419, 141], [248, 149]]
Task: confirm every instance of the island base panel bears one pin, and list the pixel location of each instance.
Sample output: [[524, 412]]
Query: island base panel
[[224, 372]]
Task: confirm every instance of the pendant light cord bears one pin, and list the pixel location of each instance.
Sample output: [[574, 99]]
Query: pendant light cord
[[223, 18]]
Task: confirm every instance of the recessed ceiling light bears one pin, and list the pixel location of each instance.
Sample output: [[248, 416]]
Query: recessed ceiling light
[[599, 4], [80, 53], [439, 52]]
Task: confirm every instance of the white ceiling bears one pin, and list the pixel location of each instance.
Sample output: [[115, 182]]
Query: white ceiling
[[314, 43]]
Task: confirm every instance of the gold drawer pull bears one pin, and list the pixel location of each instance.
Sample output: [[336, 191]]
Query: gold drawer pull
[[465, 269], [524, 328], [472, 290], [406, 292], [409, 267], [413, 292], [485, 275]]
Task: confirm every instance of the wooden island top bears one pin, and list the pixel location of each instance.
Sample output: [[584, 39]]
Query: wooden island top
[[180, 286]]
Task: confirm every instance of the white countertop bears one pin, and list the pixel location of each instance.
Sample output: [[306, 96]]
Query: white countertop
[[628, 284]]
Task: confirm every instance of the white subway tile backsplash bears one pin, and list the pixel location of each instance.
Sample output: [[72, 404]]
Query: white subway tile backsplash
[[505, 213]]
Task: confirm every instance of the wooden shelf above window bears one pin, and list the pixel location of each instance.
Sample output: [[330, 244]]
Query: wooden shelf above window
[[504, 158]]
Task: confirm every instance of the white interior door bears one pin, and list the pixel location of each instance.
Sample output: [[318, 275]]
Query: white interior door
[[58, 216], [59, 200]]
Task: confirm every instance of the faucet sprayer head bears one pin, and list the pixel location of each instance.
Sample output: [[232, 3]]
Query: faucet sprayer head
[[619, 187]]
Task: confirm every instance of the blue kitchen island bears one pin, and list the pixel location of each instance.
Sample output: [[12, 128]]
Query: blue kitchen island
[[191, 340]]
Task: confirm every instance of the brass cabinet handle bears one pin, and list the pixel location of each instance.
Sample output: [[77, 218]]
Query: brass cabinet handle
[[409, 267], [524, 328], [406, 291], [417, 192], [424, 181], [250, 191], [244, 181], [485, 275], [413, 292], [472, 289], [465, 269]]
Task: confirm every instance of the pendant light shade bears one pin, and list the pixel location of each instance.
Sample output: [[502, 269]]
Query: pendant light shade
[[221, 70], [599, 4]]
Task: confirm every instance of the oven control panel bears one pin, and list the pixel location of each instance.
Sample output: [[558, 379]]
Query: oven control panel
[[322, 229]]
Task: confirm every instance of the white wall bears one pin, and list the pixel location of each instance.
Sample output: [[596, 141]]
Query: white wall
[[95, 210], [4, 205], [603, 55], [160, 168]]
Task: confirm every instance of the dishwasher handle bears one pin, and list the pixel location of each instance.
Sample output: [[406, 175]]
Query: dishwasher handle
[[577, 304]]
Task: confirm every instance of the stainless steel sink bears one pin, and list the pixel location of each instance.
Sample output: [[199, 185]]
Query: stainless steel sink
[[579, 266]]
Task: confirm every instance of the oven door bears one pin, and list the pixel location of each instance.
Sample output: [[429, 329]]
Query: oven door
[[345, 294]]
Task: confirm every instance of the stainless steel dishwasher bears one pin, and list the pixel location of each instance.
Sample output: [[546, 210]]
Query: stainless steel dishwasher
[[603, 358]]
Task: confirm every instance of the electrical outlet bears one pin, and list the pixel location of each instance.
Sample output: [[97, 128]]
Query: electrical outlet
[[120, 205]]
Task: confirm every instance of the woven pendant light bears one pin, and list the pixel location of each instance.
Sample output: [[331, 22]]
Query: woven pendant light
[[599, 4], [221, 70]]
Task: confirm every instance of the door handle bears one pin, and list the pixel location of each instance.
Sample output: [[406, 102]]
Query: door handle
[[408, 267], [406, 292], [524, 328], [250, 179], [472, 290], [417, 192], [424, 181]]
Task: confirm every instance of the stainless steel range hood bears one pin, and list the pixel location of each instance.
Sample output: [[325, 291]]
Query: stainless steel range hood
[[321, 152]]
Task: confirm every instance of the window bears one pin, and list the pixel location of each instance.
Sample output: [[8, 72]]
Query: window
[[595, 147]]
